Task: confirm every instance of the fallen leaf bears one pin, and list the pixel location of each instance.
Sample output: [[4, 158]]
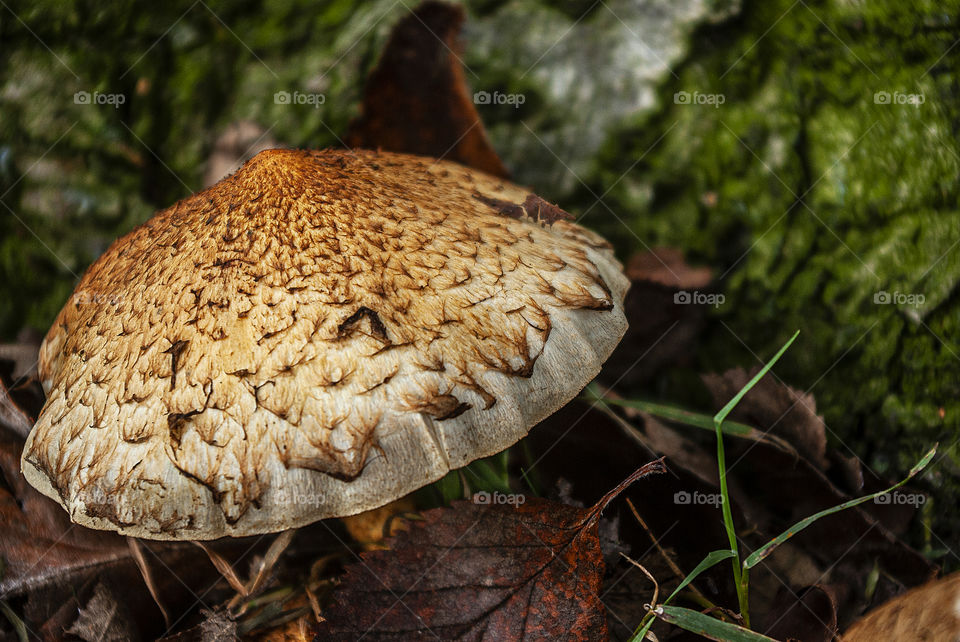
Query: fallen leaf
[[104, 618], [524, 570], [215, 626], [775, 407], [666, 266], [416, 100], [12, 399], [23, 354]]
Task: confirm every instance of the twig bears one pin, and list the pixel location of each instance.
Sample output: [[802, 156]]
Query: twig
[[656, 587], [673, 565]]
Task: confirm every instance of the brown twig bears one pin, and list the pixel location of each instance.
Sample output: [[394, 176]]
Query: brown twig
[[656, 587], [673, 565]]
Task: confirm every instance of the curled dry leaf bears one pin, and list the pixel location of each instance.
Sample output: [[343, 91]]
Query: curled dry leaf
[[104, 618], [666, 266], [523, 570], [17, 398]]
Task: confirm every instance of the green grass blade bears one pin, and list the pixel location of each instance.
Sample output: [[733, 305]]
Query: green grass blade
[[15, 621], [712, 559], [720, 416], [591, 394], [758, 555], [707, 626], [740, 574], [672, 413], [642, 633]]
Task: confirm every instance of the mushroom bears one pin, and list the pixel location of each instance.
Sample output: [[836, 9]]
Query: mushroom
[[314, 336]]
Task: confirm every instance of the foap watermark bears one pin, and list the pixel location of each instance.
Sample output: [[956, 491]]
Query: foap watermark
[[696, 498], [87, 297], [95, 496], [898, 98], [698, 98], [897, 498], [99, 98], [300, 499], [498, 98], [685, 297], [299, 98], [898, 298], [486, 499]]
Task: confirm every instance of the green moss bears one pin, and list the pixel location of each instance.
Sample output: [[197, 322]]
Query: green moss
[[826, 196]]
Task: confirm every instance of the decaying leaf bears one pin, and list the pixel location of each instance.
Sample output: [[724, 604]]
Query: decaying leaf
[[417, 101], [20, 394], [105, 618], [928, 612], [521, 569], [776, 407], [667, 266]]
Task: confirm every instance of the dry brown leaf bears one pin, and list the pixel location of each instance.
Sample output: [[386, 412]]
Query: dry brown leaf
[[774, 406], [519, 570]]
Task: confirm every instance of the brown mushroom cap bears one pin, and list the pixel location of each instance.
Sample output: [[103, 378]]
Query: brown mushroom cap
[[314, 336]]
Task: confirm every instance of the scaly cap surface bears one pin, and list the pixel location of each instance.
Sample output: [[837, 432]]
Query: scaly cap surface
[[314, 336]]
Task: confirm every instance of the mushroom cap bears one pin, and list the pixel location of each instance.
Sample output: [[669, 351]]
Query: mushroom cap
[[314, 336]]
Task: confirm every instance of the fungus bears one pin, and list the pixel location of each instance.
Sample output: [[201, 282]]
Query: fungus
[[314, 336]]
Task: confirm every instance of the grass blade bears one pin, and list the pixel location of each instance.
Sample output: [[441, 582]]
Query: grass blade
[[740, 574], [642, 633], [720, 416], [670, 413], [17, 623], [707, 626], [688, 418], [712, 559], [758, 555]]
